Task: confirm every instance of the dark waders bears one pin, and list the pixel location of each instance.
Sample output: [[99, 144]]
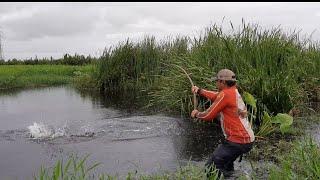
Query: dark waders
[[224, 156]]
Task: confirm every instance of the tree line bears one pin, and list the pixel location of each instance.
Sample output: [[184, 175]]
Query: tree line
[[67, 59]]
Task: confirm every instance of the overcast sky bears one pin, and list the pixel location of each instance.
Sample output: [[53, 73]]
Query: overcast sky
[[53, 29]]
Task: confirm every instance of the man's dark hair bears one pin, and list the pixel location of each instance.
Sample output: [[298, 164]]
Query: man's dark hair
[[230, 83]]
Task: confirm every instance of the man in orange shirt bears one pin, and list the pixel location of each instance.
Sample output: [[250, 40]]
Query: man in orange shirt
[[236, 128]]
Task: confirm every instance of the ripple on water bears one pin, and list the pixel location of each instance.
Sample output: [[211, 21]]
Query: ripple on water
[[112, 129], [140, 127]]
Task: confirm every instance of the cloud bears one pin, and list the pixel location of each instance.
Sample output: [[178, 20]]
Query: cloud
[[39, 22], [47, 27]]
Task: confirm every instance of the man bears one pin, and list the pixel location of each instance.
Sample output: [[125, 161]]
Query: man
[[236, 128]]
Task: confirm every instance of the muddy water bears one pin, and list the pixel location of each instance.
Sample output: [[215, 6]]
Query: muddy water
[[40, 126]]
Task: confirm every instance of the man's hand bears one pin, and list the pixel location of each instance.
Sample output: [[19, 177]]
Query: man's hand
[[194, 89], [194, 113]]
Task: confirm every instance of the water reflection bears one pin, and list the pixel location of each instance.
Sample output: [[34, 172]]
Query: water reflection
[[128, 101]]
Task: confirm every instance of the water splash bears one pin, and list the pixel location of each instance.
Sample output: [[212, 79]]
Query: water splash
[[39, 131], [86, 131], [42, 131]]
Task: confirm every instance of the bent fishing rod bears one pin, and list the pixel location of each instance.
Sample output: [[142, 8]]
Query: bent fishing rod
[[195, 101]]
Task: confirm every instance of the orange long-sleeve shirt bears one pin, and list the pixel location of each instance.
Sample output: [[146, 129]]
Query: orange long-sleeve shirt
[[228, 102]]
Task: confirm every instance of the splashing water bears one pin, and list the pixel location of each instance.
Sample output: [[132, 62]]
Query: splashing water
[[38, 131], [42, 131], [86, 130]]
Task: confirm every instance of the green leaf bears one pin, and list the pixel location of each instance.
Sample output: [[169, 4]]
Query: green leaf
[[57, 171], [285, 121], [65, 171], [282, 118], [81, 163], [266, 127], [266, 117], [284, 128], [92, 167], [249, 99]]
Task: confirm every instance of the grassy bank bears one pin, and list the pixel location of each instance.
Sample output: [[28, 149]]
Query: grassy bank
[[301, 162], [77, 168], [25, 76]]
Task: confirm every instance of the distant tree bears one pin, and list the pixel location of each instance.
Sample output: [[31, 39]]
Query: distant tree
[[67, 59]]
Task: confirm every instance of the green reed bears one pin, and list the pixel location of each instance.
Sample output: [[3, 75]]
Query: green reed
[[77, 168], [279, 69], [74, 168]]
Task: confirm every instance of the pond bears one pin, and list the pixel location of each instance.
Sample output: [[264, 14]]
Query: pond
[[40, 126]]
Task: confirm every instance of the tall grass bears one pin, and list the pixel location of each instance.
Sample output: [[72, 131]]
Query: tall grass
[[74, 168], [279, 69], [134, 68]]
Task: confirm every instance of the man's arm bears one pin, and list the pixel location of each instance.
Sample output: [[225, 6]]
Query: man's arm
[[212, 95], [217, 106]]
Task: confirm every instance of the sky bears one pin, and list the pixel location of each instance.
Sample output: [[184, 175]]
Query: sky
[[45, 29]]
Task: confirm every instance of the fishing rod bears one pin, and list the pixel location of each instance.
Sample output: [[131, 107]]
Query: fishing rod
[[195, 101], [192, 84]]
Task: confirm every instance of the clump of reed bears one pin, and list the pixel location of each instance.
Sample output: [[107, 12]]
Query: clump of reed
[[74, 168], [128, 65], [77, 168], [135, 67], [278, 69]]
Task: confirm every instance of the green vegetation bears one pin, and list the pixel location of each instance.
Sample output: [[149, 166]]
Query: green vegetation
[[301, 162], [136, 67], [278, 69], [282, 150], [76, 168], [23, 76], [268, 123]]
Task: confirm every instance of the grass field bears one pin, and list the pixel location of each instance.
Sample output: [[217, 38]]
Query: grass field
[[25, 76]]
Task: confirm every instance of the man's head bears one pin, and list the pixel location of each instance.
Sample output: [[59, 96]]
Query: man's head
[[225, 78]]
